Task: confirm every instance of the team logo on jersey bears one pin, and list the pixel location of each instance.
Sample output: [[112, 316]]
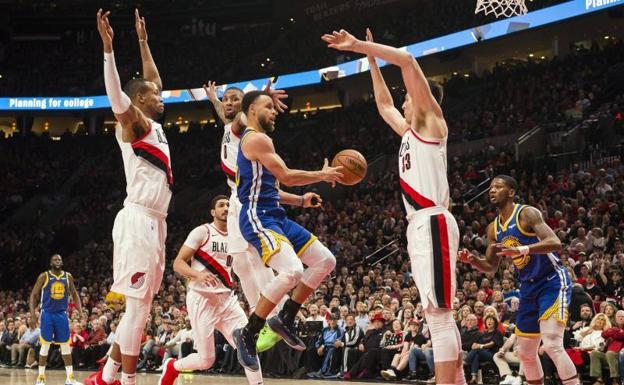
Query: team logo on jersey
[[137, 280], [520, 261], [57, 291]]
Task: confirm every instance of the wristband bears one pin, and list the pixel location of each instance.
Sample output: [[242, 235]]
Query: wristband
[[302, 201], [524, 250]]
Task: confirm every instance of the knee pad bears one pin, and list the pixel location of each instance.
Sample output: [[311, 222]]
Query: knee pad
[[45, 348], [320, 261], [289, 272], [65, 349], [131, 326], [443, 330], [552, 338]]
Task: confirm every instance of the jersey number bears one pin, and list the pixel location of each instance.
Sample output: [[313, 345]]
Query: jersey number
[[406, 164], [224, 152], [229, 261]]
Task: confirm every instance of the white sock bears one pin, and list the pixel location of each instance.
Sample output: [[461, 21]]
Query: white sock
[[42, 370], [69, 370], [128, 379], [110, 370]]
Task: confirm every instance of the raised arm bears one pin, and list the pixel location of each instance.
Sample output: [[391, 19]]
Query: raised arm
[[532, 221], [383, 98], [150, 72], [34, 295], [74, 293], [132, 120], [211, 92], [259, 147], [413, 77]]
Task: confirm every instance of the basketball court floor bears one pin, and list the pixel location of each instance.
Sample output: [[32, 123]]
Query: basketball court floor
[[57, 377]]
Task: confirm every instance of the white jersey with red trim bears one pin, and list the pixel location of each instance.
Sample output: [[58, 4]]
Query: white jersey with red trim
[[211, 253], [147, 164], [229, 154], [422, 172]]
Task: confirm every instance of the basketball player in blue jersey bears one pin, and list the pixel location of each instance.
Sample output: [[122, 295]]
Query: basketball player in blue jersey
[[520, 233], [282, 244], [54, 288]]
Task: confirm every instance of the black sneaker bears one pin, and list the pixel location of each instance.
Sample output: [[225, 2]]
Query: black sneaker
[[276, 323], [246, 349]]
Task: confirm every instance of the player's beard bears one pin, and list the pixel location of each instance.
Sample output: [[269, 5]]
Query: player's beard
[[266, 125]]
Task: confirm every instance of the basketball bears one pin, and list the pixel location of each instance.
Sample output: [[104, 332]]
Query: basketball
[[354, 166]]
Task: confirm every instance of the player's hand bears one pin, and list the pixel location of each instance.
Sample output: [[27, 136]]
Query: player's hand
[[465, 256], [511, 252], [277, 96], [311, 199], [500, 353], [139, 25], [330, 174], [105, 30], [211, 90], [208, 278], [369, 37], [342, 41]]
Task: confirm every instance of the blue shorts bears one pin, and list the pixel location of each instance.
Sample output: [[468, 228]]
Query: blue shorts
[[539, 300], [266, 228], [54, 327]]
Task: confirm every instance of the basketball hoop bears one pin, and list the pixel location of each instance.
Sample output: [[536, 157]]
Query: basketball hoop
[[505, 8]]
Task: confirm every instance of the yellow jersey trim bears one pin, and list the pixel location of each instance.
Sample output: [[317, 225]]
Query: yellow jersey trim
[[503, 227], [267, 251], [306, 245], [520, 333], [57, 276], [523, 231], [47, 280]]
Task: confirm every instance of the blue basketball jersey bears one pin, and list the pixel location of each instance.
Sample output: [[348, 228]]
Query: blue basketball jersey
[[55, 292], [530, 267], [256, 186]]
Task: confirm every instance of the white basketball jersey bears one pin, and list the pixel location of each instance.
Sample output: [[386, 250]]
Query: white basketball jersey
[[147, 164], [229, 153], [422, 172], [211, 254]]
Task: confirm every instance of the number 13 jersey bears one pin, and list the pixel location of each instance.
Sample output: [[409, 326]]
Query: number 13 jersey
[[422, 172]]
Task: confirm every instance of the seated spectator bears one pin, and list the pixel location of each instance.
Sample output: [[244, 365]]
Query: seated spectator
[[370, 347], [508, 354], [325, 348], [469, 333], [77, 340], [391, 344], [7, 339], [488, 343], [420, 351], [95, 346], [615, 342], [349, 343], [29, 339], [491, 311]]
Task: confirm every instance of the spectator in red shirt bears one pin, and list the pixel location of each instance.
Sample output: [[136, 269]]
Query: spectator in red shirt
[[77, 339], [614, 338]]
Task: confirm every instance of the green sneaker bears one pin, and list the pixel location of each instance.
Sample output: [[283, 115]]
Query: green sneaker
[[267, 339]]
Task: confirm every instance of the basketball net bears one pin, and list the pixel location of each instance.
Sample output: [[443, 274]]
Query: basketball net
[[499, 8]]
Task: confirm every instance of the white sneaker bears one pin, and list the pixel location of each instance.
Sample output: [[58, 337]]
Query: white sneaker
[[41, 380], [388, 374], [431, 380], [72, 381], [509, 380], [517, 381]]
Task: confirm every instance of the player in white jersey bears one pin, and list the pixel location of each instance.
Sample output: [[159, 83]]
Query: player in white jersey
[[253, 274], [432, 233], [140, 229], [205, 260]]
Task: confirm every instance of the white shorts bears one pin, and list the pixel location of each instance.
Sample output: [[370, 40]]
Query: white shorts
[[432, 243], [236, 242], [215, 311], [138, 251]]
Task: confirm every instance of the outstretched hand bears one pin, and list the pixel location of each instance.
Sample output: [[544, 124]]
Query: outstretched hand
[[277, 96], [105, 30], [342, 41], [331, 175], [139, 25], [211, 90], [465, 256]]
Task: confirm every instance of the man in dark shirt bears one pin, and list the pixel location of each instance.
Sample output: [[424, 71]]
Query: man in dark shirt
[[469, 333], [8, 337], [370, 346]]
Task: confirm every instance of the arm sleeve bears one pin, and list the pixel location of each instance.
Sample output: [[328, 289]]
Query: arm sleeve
[[197, 238], [120, 102]]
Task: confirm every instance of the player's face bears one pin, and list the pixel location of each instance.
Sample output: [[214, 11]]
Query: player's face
[[407, 109], [232, 103], [265, 113], [56, 262], [220, 211], [152, 100], [499, 192]]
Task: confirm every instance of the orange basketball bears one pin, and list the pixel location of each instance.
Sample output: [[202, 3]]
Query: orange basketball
[[354, 166]]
